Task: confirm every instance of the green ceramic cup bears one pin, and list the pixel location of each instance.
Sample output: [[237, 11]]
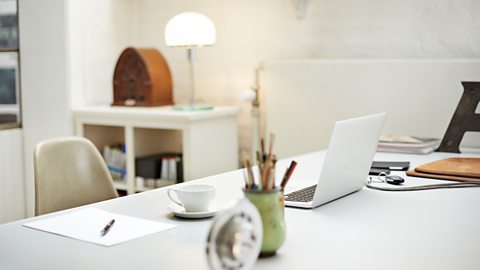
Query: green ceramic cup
[[270, 205]]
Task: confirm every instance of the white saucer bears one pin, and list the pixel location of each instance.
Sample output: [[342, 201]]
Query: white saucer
[[180, 212]]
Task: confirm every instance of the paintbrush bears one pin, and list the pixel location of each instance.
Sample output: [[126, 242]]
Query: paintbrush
[[288, 174]]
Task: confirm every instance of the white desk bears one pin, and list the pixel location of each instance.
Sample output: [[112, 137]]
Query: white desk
[[367, 230]]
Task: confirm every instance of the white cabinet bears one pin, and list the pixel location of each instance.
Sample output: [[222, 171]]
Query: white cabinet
[[208, 140]]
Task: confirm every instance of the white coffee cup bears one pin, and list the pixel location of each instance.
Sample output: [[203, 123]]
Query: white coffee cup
[[193, 198]]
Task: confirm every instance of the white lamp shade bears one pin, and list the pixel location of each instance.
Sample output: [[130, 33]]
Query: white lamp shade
[[190, 29]]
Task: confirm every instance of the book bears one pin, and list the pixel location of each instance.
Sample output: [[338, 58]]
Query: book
[[407, 144], [167, 165], [115, 158], [171, 167]]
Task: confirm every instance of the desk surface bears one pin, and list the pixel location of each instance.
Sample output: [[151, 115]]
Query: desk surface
[[368, 229]]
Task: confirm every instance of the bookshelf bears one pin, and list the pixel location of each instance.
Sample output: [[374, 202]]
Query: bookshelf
[[207, 140]]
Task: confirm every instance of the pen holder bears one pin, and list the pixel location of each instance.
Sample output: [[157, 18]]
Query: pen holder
[[270, 205]]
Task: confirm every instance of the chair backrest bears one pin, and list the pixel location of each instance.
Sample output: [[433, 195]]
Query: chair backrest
[[69, 172]]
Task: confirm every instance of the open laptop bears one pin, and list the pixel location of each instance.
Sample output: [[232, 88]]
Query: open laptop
[[347, 162]]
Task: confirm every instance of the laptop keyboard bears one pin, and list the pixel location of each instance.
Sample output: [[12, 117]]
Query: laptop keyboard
[[302, 195]]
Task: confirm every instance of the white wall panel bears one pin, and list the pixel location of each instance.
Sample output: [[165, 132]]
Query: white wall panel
[[12, 198], [44, 77], [304, 98]]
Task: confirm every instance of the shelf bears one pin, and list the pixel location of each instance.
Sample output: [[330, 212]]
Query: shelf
[[207, 140], [135, 115], [121, 185], [2, 50]]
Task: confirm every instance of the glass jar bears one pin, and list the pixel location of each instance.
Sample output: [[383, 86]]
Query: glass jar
[[271, 206]]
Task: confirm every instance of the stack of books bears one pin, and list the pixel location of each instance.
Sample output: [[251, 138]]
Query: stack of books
[[114, 156], [407, 144], [159, 170], [171, 167]]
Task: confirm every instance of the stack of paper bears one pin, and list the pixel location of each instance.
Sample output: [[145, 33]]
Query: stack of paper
[[86, 224], [407, 144]]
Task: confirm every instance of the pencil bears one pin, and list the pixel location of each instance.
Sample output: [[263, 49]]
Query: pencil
[[249, 172], [260, 169], [271, 178], [266, 170], [288, 174], [272, 138], [262, 149]]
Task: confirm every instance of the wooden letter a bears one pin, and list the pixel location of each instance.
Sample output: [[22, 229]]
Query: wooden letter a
[[464, 119]]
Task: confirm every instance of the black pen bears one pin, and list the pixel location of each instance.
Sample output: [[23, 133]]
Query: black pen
[[107, 228]]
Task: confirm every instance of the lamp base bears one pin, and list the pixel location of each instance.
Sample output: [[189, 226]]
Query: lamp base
[[194, 107]]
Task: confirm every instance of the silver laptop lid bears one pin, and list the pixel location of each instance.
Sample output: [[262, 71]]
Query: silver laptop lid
[[350, 153]]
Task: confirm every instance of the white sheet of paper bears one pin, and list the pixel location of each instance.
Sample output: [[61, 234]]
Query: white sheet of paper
[[85, 224]]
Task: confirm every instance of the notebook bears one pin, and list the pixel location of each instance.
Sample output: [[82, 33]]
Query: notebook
[[347, 162]]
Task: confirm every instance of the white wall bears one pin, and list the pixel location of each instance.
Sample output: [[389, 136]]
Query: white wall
[[44, 78], [99, 30], [419, 97], [251, 31], [12, 199]]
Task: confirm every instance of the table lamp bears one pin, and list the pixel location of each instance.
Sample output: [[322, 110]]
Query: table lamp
[[190, 30]]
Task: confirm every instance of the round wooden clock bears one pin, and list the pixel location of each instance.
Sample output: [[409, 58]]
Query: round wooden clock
[[142, 78]]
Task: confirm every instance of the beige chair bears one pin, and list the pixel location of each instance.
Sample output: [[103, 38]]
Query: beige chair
[[69, 172]]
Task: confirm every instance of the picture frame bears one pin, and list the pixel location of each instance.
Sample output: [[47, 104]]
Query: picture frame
[[9, 66], [9, 90], [8, 25]]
